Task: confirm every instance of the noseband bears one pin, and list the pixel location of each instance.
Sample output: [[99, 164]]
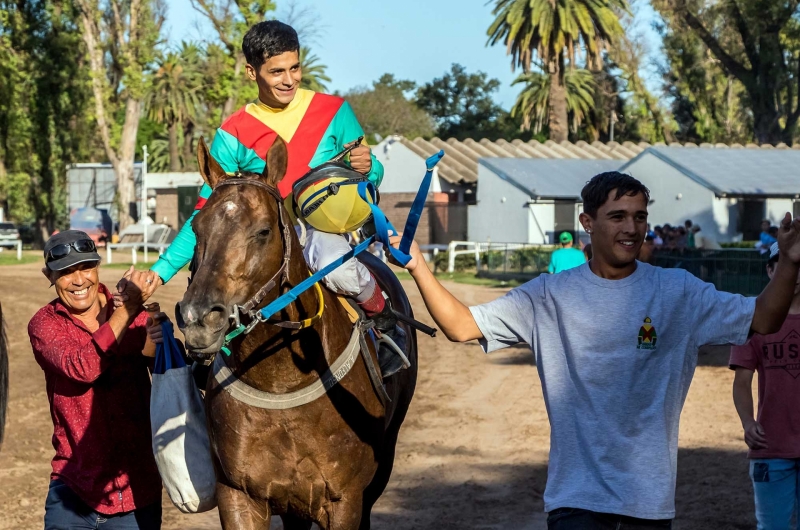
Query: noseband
[[280, 278]]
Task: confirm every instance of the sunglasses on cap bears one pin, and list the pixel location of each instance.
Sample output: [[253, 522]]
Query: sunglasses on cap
[[81, 246]]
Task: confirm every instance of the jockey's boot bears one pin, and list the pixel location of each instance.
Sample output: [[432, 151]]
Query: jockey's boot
[[390, 360]]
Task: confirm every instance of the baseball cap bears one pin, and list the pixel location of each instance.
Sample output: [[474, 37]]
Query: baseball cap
[[565, 237], [68, 248]]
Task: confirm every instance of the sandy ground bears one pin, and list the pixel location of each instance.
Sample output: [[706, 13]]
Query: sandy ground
[[472, 453]]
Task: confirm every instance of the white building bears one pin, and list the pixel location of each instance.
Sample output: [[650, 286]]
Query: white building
[[727, 191], [525, 200]]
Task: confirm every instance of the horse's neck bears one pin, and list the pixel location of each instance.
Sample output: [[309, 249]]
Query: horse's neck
[[281, 360]]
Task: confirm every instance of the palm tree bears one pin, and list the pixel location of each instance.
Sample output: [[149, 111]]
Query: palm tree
[[314, 77], [172, 98], [556, 31], [533, 103]]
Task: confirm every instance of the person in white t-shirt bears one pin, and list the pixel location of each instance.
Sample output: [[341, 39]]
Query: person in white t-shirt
[[616, 344]]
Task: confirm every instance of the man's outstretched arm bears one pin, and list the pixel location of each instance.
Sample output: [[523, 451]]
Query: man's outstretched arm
[[453, 317], [772, 305]]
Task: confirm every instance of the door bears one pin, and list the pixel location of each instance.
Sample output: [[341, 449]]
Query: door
[[751, 213], [187, 200], [564, 221]]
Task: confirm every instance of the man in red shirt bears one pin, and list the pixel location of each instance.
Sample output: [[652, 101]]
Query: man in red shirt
[[774, 437], [96, 370]]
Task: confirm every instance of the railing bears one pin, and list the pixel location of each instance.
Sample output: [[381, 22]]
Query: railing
[[13, 243], [734, 270], [517, 259]]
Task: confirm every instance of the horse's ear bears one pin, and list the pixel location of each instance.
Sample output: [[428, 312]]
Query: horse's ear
[[210, 169], [277, 161]]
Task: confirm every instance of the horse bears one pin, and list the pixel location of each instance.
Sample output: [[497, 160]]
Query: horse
[[3, 375], [326, 461]]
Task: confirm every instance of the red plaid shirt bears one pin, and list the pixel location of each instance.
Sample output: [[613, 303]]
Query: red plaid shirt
[[99, 393]]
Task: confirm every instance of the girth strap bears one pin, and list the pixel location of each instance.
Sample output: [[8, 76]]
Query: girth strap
[[335, 373]]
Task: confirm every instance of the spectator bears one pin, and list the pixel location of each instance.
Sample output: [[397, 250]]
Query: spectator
[[95, 366], [680, 241], [703, 241], [773, 437], [567, 257], [766, 238], [658, 237], [646, 252], [690, 243]]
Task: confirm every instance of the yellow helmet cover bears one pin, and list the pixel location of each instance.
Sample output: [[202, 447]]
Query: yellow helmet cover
[[327, 198]]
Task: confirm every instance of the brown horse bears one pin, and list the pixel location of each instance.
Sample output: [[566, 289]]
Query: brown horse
[[326, 461], [3, 375]]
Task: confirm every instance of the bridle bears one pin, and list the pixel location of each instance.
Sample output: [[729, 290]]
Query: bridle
[[279, 279]]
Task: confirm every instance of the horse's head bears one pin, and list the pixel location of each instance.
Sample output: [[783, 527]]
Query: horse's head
[[239, 248]]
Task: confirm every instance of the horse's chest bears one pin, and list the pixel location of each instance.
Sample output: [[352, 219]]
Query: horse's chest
[[304, 457]]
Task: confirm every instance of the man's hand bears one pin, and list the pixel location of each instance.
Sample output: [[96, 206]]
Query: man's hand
[[360, 158], [154, 327], [754, 436], [789, 239], [414, 252], [152, 281]]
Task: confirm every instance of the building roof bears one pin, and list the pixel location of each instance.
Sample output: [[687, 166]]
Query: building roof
[[549, 179], [735, 172], [460, 165], [173, 180]]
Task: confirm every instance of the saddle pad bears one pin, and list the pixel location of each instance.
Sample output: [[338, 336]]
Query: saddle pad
[[351, 311]]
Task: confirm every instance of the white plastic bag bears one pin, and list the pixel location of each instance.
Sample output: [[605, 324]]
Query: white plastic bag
[[180, 437]]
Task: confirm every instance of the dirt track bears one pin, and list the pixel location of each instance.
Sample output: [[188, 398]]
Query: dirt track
[[472, 453]]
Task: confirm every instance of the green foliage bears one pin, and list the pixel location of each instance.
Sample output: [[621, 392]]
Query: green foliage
[[733, 61], [555, 29], [45, 115], [314, 76], [533, 102], [462, 106], [386, 109]]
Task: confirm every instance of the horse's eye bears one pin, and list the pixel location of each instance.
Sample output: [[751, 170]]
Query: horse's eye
[[264, 233]]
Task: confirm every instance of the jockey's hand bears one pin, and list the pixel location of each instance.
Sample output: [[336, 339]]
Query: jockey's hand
[[414, 251], [360, 158]]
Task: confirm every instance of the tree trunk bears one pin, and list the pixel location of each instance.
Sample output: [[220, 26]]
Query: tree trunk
[[174, 156], [126, 190], [42, 234], [188, 151], [558, 119], [230, 103]]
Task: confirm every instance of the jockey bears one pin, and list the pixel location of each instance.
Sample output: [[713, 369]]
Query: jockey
[[315, 128]]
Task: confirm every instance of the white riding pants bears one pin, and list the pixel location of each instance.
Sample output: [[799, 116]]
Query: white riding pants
[[351, 278]]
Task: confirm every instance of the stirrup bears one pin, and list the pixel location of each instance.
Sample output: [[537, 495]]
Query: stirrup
[[392, 345]]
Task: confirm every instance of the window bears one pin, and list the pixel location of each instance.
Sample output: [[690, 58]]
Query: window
[[564, 216]]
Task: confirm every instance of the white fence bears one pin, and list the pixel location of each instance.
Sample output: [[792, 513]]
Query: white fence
[[13, 243], [474, 247]]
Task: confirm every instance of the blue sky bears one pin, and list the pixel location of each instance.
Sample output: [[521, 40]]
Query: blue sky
[[414, 39]]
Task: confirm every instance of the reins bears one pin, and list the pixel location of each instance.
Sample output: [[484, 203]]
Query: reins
[[280, 278]]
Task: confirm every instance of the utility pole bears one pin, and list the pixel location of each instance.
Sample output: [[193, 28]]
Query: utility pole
[[143, 215]]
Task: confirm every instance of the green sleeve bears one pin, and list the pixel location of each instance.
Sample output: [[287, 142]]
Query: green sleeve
[[228, 152], [348, 129]]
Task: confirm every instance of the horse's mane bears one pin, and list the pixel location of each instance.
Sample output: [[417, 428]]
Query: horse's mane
[[3, 374]]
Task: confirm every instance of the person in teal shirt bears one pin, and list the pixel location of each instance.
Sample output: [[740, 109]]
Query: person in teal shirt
[[567, 257]]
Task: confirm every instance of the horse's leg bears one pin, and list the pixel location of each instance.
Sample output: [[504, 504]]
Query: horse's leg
[[345, 514], [237, 511], [290, 522]]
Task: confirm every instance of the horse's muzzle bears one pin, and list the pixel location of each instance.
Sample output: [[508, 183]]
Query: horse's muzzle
[[203, 328]]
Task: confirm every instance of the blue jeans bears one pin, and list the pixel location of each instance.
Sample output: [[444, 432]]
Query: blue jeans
[[64, 510], [579, 519], [775, 483]]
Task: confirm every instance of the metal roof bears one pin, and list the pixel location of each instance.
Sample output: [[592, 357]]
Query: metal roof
[[461, 163], [549, 179], [735, 172]]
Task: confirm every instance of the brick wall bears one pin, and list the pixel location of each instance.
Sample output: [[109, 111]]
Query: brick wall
[[167, 207], [396, 207]]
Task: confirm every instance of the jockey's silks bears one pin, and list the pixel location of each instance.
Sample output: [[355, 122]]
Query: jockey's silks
[[315, 128]]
